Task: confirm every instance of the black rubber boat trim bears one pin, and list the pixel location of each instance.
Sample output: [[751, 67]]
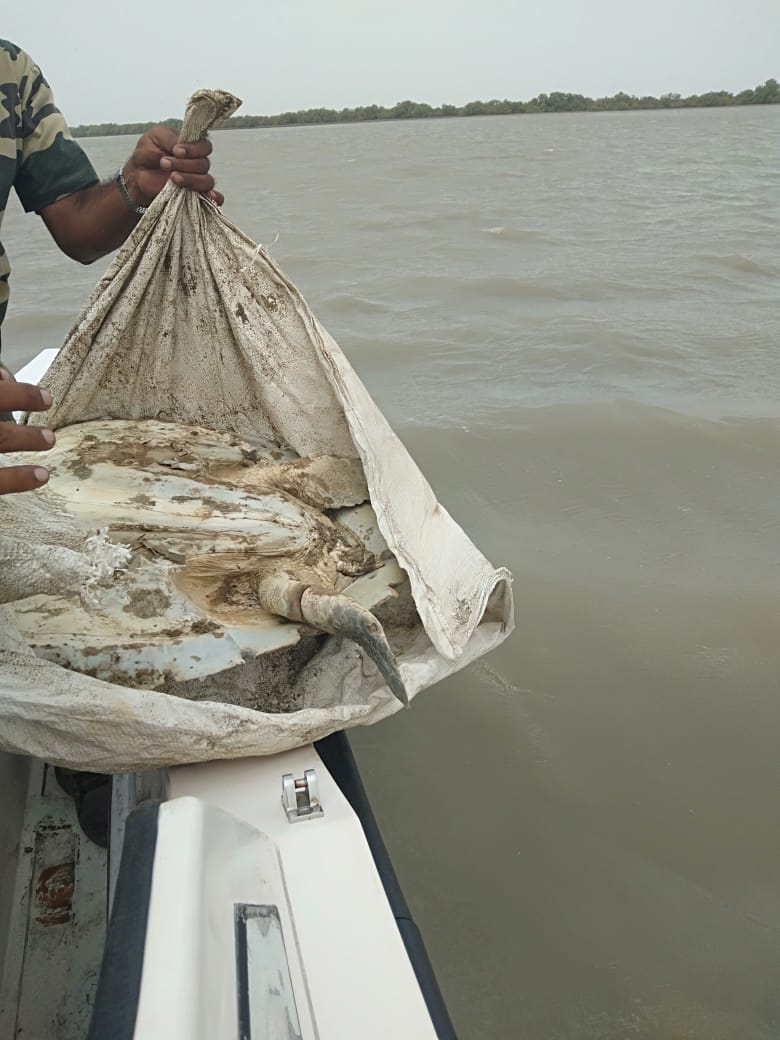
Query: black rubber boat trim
[[119, 985], [338, 759]]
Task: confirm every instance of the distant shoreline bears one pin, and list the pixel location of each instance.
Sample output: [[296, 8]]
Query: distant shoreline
[[766, 94]]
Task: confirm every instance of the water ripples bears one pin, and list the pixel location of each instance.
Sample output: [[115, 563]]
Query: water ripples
[[573, 322]]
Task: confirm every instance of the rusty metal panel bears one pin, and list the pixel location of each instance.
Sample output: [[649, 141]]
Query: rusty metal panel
[[58, 921]]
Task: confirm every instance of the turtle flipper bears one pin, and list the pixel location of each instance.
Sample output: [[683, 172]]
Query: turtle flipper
[[338, 615]]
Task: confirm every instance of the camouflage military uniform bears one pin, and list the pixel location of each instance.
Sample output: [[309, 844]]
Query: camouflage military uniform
[[38, 156]]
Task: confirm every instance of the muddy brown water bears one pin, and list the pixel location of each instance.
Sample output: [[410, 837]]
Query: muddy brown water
[[573, 322]]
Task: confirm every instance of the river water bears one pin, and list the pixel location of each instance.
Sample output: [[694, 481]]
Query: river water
[[573, 322]]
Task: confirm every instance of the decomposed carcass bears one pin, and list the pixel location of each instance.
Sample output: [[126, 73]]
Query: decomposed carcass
[[238, 552]]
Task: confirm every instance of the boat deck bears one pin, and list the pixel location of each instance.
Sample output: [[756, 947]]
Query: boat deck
[[54, 916]]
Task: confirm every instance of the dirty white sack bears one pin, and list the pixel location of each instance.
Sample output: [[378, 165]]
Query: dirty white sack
[[194, 323]]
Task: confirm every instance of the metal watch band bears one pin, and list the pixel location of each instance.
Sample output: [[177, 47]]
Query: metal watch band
[[134, 206]]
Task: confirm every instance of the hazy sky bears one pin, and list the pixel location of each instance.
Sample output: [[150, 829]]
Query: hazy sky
[[124, 62]]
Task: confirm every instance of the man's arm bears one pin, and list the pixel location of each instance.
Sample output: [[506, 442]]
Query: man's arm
[[92, 222]]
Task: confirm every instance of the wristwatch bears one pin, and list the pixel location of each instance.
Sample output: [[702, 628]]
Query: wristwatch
[[134, 206]]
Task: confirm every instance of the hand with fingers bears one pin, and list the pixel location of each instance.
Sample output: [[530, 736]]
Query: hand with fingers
[[22, 397], [158, 156]]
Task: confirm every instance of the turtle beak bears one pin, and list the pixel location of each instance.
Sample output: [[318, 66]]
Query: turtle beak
[[339, 616]]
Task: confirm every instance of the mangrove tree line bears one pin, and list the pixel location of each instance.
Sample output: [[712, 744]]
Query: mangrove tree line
[[558, 101]]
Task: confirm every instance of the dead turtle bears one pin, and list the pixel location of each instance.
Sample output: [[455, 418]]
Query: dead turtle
[[236, 548]]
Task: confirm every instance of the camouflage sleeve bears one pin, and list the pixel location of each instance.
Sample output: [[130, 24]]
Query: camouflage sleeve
[[51, 164]]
